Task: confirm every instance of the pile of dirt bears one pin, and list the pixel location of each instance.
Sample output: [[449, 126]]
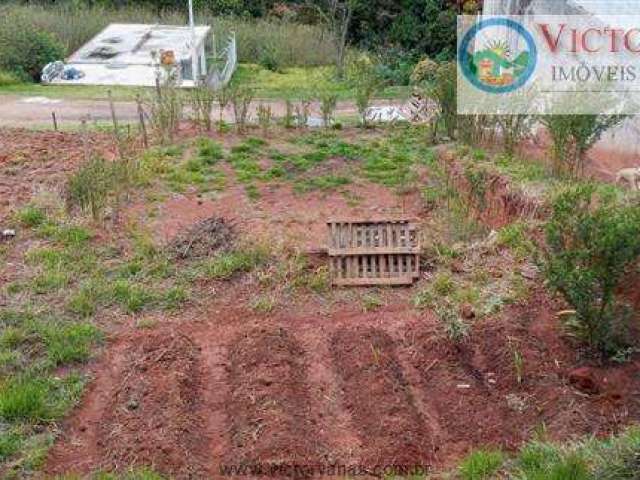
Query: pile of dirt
[[153, 416], [269, 409], [392, 430], [204, 239]]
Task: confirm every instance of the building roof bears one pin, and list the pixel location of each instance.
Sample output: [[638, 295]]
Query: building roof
[[121, 54], [132, 44]]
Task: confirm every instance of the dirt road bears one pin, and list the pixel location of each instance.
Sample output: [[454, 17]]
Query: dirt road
[[36, 111]]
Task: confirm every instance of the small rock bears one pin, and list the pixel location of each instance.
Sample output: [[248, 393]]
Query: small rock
[[584, 379], [467, 312], [132, 404], [529, 272], [516, 403], [457, 266], [8, 233], [463, 386]]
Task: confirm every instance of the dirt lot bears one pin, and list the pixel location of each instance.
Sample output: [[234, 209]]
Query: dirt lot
[[347, 388], [319, 380]]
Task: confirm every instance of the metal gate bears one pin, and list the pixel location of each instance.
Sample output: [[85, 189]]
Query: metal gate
[[373, 252]]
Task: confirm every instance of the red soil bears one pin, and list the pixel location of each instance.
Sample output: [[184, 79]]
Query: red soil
[[322, 383], [390, 426], [281, 215], [381, 388], [269, 406], [31, 161]]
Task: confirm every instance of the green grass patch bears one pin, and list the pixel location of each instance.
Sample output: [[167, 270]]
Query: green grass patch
[[226, 265], [38, 399], [517, 238], [481, 465], [31, 216], [323, 182]]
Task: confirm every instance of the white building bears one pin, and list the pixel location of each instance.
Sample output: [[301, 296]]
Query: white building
[[129, 54]]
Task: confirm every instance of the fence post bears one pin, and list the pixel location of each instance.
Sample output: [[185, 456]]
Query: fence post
[[114, 119], [85, 140], [143, 128]]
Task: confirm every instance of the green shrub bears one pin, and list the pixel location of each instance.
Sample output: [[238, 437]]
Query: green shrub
[[592, 241], [442, 90], [8, 78], [25, 48], [480, 464], [572, 136]]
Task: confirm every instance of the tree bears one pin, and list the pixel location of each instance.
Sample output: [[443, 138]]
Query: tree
[[417, 27], [338, 15]]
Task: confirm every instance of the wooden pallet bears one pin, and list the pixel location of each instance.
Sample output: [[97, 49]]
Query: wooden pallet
[[373, 251]]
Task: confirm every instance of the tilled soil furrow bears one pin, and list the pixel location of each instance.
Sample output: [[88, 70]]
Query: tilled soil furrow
[[344, 446], [154, 415], [376, 392], [272, 424]]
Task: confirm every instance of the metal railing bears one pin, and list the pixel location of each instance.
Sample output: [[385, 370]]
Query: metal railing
[[219, 77]]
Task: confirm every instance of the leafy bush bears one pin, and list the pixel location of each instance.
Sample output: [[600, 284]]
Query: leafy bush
[[8, 78], [572, 136], [395, 67], [442, 90], [424, 71], [25, 48], [592, 241], [363, 76]]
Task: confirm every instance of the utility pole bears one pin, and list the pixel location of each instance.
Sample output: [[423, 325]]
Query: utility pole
[[194, 56]]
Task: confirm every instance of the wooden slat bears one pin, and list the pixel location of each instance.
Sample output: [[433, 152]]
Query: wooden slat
[[374, 251], [405, 280]]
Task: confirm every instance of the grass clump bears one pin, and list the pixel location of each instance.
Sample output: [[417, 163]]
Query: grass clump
[[226, 265], [24, 398], [132, 297], [209, 151], [33, 398], [68, 343], [31, 216], [481, 464], [613, 458]]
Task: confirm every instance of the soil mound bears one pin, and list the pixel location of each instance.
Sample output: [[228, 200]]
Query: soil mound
[[153, 417], [271, 422]]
